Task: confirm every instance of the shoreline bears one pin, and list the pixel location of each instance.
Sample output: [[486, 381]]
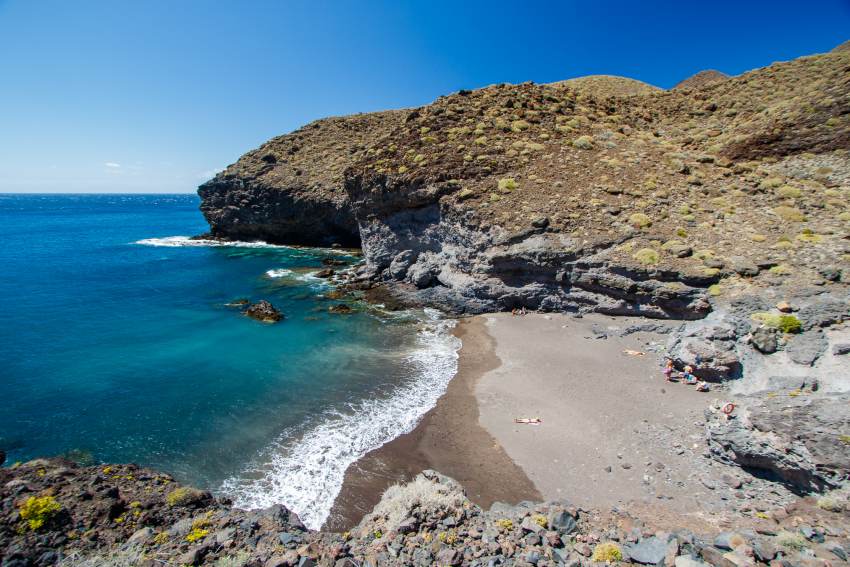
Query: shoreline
[[448, 439]]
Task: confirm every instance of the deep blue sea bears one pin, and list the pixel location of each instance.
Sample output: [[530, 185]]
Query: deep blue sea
[[117, 346]]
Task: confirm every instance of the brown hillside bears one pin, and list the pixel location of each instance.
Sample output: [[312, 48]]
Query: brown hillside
[[841, 48], [686, 182], [607, 85], [702, 78], [654, 169]]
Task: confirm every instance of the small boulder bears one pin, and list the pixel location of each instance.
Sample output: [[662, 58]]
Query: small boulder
[[191, 557], [530, 525], [540, 222], [764, 340], [681, 251], [649, 551], [408, 526], [562, 521], [838, 349], [829, 273], [688, 561], [326, 273], [765, 550], [341, 308], [784, 306], [745, 269], [449, 557], [141, 536]]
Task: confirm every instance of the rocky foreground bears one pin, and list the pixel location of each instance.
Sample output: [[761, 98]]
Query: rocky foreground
[[55, 513]]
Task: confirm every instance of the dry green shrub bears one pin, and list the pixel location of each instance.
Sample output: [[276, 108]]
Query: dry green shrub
[[184, 496], [400, 499], [790, 540], [835, 500], [38, 511], [606, 552], [788, 191], [640, 219], [790, 214], [646, 256]]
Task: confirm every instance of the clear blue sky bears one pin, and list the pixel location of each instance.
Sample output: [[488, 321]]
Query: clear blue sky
[[156, 96]]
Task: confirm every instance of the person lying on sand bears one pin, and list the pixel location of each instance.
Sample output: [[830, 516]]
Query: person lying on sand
[[702, 386], [526, 420], [634, 352]]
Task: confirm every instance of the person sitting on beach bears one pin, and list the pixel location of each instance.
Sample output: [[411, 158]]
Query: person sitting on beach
[[702, 386], [688, 375], [668, 370], [514, 312], [524, 311], [526, 420]]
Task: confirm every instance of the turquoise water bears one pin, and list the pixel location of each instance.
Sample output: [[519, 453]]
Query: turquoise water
[[117, 343]]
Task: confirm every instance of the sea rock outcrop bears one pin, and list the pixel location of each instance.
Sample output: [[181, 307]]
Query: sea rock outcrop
[[263, 311]]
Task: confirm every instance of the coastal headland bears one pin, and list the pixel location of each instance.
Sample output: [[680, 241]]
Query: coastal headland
[[707, 225]]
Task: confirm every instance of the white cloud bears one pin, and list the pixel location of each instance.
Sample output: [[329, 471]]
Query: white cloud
[[111, 165], [209, 174]]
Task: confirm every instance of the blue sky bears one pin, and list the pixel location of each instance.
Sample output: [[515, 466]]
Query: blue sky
[[156, 96]]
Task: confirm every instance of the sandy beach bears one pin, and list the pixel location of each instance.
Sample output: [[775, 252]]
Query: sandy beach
[[448, 439], [612, 430]]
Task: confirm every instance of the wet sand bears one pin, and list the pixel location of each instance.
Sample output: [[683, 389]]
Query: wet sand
[[449, 439]]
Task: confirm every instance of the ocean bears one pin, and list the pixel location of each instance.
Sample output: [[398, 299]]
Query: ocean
[[118, 346]]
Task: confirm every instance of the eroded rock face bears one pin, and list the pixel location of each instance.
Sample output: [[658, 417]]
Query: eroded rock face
[[801, 443], [413, 237]]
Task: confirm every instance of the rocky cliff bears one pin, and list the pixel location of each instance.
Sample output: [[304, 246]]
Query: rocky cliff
[[558, 197], [289, 190]]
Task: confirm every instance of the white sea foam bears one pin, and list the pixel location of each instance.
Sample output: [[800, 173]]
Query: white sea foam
[[186, 241], [305, 474], [278, 273]]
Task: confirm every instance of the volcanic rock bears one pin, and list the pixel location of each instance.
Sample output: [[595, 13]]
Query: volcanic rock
[[263, 311]]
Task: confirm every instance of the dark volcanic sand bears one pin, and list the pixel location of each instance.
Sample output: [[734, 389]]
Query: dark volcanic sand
[[448, 439]]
